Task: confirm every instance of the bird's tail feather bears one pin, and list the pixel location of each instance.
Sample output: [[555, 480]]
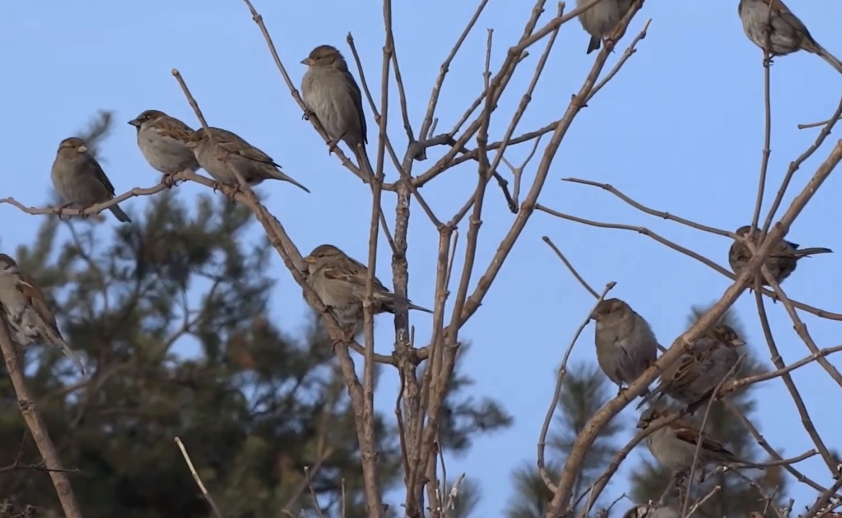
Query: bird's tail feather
[[119, 214], [812, 251], [72, 355], [362, 160], [593, 44], [280, 175], [830, 58]]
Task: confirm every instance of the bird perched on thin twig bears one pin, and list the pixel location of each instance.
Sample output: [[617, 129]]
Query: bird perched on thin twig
[[781, 261], [692, 379], [600, 20], [652, 510], [230, 150], [788, 34], [625, 344], [674, 445], [340, 282], [331, 93], [27, 314], [79, 179], [162, 140]]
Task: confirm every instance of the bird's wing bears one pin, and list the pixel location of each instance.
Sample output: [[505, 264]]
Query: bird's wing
[[99, 174], [352, 271], [684, 431], [357, 97], [234, 144], [35, 298]]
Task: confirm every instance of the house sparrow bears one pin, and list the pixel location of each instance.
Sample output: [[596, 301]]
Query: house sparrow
[[162, 140], [79, 179], [692, 379], [340, 282], [652, 510], [625, 344], [331, 93], [674, 445], [253, 164], [788, 32], [781, 261], [26, 312], [600, 20]]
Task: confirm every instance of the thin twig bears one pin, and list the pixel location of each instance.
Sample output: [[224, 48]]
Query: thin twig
[[198, 480]]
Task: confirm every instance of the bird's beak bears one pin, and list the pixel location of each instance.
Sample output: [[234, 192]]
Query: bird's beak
[[307, 62], [737, 342], [135, 123], [309, 259], [642, 424], [81, 149]]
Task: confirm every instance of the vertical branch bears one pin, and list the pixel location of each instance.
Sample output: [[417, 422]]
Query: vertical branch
[[37, 428], [767, 137]]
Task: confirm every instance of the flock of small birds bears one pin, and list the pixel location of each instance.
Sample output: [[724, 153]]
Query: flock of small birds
[[625, 343]]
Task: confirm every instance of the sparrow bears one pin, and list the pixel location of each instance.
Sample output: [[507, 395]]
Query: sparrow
[[781, 261], [79, 179], [600, 20], [253, 164], [162, 140], [625, 344], [26, 311], [788, 35], [340, 282], [674, 445], [692, 379], [652, 510], [331, 93]]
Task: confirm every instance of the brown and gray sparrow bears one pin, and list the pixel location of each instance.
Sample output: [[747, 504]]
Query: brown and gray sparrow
[[253, 164], [340, 282], [674, 445], [653, 510], [788, 34], [600, 20], [162, 140], [27, 314], [781, 261], [79, 179], [692, 379], [625, 344], [331, 93]]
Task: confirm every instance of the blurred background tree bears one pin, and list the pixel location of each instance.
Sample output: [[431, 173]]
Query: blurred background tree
[[736, 496], [584, 391], [253, 405]]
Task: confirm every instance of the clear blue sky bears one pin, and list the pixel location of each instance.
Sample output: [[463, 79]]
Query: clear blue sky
[[679, 129]]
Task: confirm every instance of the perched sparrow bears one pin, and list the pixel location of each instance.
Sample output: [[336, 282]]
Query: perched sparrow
[[253, 164], [674, 445], [330, 91], [79, 179], [162, 140], [26, 312], [692, 379], [788, 32], [340, 282], [625, 344], [781, 262], [600, 20], [653, 510]]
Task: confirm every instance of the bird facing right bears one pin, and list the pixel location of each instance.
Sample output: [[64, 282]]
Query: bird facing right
[[25, 309], [79, 179], [625, 344], [781, 261], [600, 20], [331, 93], [162, 140], [674, 445], [692, 379], [788, 34], [340, 282], [253, 164]]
